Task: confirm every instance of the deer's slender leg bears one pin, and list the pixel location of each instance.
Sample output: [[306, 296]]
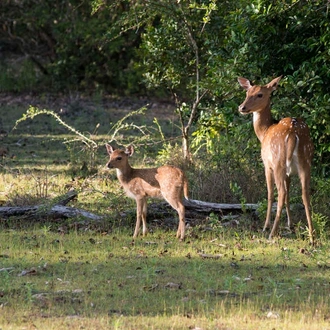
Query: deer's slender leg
[[287, 200], [174, 198], [280, 185], [144, 217], [305, 183], [139, 212], [270, 199]]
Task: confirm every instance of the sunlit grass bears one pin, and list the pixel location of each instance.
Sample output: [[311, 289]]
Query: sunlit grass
[[78, 274]]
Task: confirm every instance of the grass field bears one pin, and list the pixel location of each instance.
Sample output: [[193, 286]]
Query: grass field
[[75, 274], [220, 280]]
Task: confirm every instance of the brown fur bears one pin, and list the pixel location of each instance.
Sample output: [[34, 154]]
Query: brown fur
[[166, 182], [286, 149]]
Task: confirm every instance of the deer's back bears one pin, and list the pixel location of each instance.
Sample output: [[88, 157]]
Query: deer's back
[[151, 181], [170, 174]]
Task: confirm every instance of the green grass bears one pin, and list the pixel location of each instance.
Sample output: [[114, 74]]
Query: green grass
[[78, 274], [100, 280]]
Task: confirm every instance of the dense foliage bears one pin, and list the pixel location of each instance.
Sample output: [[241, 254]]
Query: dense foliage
[[67, 43], [193, 49]]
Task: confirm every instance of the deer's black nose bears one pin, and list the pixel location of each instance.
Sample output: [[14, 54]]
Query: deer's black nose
[[242, 108]]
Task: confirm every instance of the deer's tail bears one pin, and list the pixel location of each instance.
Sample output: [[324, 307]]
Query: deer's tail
[[292, 141], [185, 188]]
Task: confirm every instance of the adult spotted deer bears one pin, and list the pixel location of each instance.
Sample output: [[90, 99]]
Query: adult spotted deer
[[166, 182], [286, 149]]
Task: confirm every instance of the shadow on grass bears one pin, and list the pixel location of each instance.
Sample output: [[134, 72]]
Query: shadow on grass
[[86, 273]]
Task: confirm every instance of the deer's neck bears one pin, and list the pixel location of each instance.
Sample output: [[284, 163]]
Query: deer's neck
[[124, 174], [262, 120]]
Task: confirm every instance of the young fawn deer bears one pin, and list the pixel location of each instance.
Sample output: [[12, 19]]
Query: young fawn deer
[[166, 182], [286, 149]]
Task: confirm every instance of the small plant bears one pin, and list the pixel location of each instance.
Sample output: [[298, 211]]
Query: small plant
[[42, 182], [213, 220], [28, 291], [321, 223], [262, 209], [237, 190]]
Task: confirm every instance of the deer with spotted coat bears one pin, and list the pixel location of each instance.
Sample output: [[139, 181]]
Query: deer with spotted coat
[[166, 182], [286, 149]]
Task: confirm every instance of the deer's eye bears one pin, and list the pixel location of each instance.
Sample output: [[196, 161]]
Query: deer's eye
[[118, 158], [259, 95]]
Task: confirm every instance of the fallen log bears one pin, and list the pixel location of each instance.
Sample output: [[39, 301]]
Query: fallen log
[[58, 208], [54, 208], [201, 206], [60, 211]]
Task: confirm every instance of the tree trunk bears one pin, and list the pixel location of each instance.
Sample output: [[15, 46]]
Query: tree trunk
[[185, 144]]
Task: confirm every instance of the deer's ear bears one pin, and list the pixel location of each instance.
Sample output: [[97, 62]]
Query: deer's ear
[[274, 83], [245, 83], [110, 149], [129, 150]]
